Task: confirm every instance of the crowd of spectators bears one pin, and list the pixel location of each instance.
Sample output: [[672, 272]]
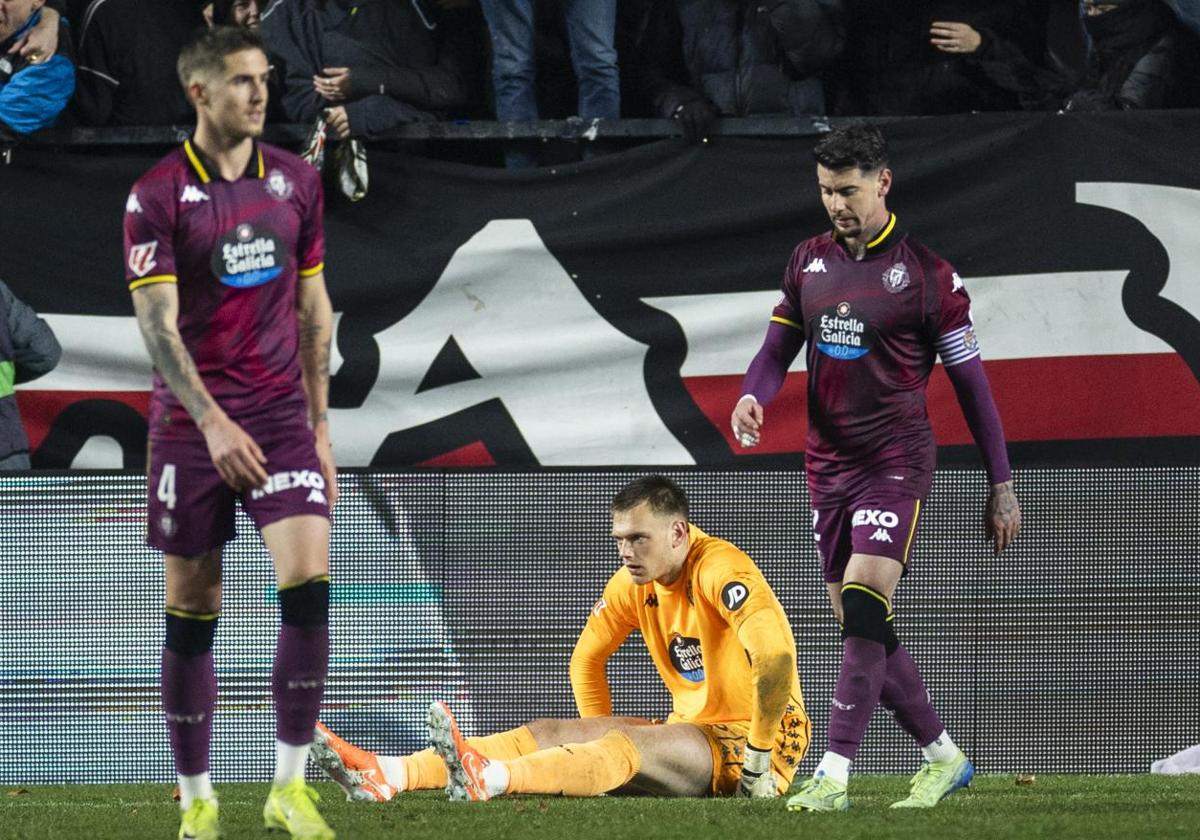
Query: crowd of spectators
[[371, 65]]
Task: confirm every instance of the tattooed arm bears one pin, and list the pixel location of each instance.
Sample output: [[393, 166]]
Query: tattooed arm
[[234, 453], [315, 315]]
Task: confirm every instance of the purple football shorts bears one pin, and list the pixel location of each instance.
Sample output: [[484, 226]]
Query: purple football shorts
[[191, 510], [871, 525]]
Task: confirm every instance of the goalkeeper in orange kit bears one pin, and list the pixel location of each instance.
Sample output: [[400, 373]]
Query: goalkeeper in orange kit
[[721, 643]]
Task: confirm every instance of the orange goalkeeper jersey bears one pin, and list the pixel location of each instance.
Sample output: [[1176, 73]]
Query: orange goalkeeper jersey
[[691, 632]]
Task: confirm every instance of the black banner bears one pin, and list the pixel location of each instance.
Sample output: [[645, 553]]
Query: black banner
[[604, 312]]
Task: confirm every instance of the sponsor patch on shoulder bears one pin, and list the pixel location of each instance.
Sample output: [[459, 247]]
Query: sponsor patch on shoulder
[[141, 258]]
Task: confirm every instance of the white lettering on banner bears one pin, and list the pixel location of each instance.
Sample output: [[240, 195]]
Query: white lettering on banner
[[560, 399], [574, 384]]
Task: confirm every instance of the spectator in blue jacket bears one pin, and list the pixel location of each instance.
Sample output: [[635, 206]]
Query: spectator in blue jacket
[[34, 88]]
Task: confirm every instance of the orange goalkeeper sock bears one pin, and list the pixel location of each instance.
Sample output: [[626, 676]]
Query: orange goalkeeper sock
[[425, 770], [587, 769]]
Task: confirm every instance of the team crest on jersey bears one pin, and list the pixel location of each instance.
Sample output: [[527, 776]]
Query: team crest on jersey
[[837, 333], [687, 657], [247, 257], [896, 278], [970, 342], [166, 524], [279, 186], [141, 258]]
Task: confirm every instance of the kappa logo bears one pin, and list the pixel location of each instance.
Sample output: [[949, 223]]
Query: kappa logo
[[881, 535], [816, 266], [957, 284], [599, 606], [141, 258], [878, 518], [193, 195], [132, 205], [652, 600]]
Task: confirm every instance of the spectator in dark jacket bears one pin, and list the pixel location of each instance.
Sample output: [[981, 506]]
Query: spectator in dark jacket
[[699, 59], [34, 88], [28, 349], [1142, 57], [127, 54], [893, 62], [371, 64]]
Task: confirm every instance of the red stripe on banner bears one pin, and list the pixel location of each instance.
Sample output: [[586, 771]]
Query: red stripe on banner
[[472, 455], [39, 409], [1070, 398]]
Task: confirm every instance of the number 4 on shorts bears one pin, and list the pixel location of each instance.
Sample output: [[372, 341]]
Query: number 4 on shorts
[[166, 486]]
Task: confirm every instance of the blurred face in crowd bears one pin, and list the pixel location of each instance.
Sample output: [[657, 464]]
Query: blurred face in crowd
[[13, 13], [234, 102], [1094, 9], [652, 546], [855, 200], [245, 13]]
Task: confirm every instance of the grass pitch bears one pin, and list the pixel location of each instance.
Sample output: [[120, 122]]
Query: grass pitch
[[1057, 807]]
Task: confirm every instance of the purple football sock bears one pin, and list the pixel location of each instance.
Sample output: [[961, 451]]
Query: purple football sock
[[864, 664], [904, 693], [298, 681], [189, 694]]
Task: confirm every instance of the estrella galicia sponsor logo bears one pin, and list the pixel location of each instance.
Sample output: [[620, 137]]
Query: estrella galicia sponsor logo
[[734, 594], [840, 335], [687, 658], [290, 480], [246, 257]]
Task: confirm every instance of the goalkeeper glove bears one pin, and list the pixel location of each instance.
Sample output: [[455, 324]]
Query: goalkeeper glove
[[758, 782]]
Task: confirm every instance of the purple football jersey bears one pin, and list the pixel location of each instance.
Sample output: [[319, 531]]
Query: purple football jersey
[[872, 329], [236, 249]]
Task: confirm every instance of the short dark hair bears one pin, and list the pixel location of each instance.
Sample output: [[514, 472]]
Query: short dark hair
[[206, 51], [664, 496], [856, 144]]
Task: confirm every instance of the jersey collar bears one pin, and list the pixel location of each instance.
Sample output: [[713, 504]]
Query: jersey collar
[[201, 165], [886, 238]]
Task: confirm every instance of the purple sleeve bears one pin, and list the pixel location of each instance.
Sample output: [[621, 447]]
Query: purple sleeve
[[971, 386], [765, 376]]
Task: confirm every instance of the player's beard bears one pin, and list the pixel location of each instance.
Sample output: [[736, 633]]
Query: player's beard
[[852, 232]]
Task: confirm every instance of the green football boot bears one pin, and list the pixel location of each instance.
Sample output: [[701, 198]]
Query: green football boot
[[200, 821], [820, 793], [292, 808], [937, 780]]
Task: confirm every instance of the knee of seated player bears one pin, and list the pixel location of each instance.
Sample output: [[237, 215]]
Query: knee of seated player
[[548, 732], [674, 759]]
